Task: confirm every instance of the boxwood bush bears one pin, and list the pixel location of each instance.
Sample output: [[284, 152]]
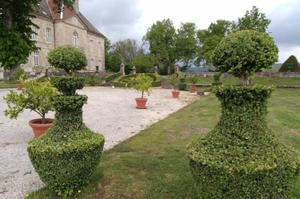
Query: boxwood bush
[[66, 156], [240, 158], [128, 81]]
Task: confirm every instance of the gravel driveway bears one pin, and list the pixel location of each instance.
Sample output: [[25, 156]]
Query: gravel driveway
[[109, 111]]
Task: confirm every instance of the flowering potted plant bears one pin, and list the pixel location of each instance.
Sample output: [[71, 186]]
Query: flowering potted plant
[[174, 81], [143, 84], [35, 96]]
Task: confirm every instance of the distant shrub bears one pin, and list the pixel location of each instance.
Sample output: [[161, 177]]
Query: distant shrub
[[93, 81], [18, 73], [128, 81], [290, 65], [112, 77]]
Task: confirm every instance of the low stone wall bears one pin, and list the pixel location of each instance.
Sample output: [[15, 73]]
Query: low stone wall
[[260, 74]]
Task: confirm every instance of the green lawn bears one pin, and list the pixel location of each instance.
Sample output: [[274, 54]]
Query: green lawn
[[154, 164], [8, 84]]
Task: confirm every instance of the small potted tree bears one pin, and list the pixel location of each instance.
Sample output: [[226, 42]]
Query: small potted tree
[[35, 96], [143, 84], [19, 76], [192, 80], [174, 81]]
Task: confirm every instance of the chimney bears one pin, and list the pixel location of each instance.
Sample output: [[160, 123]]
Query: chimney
[[76, 6]]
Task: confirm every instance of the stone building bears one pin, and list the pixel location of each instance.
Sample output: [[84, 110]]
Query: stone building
[[70, 27]]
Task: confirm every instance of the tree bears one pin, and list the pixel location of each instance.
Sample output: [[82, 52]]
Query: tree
[[210, 38], [245, 52], [186, 43], [144, 63], [113, 62], [16, 30], [107, 48], [253, 20], [290, 65], [161, 38], [127, 49]]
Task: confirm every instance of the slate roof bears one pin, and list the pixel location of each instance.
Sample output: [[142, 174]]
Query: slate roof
[[45, 11]]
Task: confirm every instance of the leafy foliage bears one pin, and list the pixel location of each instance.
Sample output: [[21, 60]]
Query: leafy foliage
[[245, 52], [143, 83], [252, 20], [127, 49], [18, 73], [68, 154], [68, 85], [67, 58], [35, 96], [113, 62], [173, 80], [290, 65], [210, 38], [240, 158], [128, 81], [192, 79], [186, 43], [144, 63], [161, 38]]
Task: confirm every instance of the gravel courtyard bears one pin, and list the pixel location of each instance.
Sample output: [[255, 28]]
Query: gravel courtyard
[[109, 111]]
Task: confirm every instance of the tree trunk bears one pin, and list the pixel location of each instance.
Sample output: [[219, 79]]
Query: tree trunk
[[169, 68], [43, 119]]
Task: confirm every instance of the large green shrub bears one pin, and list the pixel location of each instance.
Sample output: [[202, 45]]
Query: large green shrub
[[67, 58], [240, 157], [290, 65], [35, 96], [245, 52], [68, 154]]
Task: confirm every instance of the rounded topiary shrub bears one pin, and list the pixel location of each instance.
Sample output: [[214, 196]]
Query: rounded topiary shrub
[[241, 158], [66, 156]]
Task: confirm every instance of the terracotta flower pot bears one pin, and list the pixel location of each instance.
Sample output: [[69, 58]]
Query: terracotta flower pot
[[38, 128], [192, 89], [175, 93], [20, 86], [141, 103]]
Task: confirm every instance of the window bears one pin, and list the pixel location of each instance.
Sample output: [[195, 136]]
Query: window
[[36, 58], [91, 46], [34, 35], [48, 34], [92, 64], [75, 39], [100, 48]]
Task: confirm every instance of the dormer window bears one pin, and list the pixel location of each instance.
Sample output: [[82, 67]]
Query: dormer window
[[75, 39]]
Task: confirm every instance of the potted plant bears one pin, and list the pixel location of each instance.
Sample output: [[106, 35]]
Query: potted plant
[[143, 84], [35, 96], [19, 75], [192, 80], [174, 81]]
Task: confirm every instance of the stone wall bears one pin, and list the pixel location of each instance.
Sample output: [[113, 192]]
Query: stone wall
[[260, 74]]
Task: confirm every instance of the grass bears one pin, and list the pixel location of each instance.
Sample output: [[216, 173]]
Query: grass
[[154, 164], [8, 84]]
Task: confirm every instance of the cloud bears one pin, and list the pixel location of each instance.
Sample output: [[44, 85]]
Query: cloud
[[114, 18]]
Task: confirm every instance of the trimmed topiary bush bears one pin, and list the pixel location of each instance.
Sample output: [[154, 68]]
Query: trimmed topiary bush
[[68, 154], [240, 157], [244, 53], [290, 65]]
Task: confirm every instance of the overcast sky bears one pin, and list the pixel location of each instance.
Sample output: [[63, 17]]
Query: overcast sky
[[121, 19]]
